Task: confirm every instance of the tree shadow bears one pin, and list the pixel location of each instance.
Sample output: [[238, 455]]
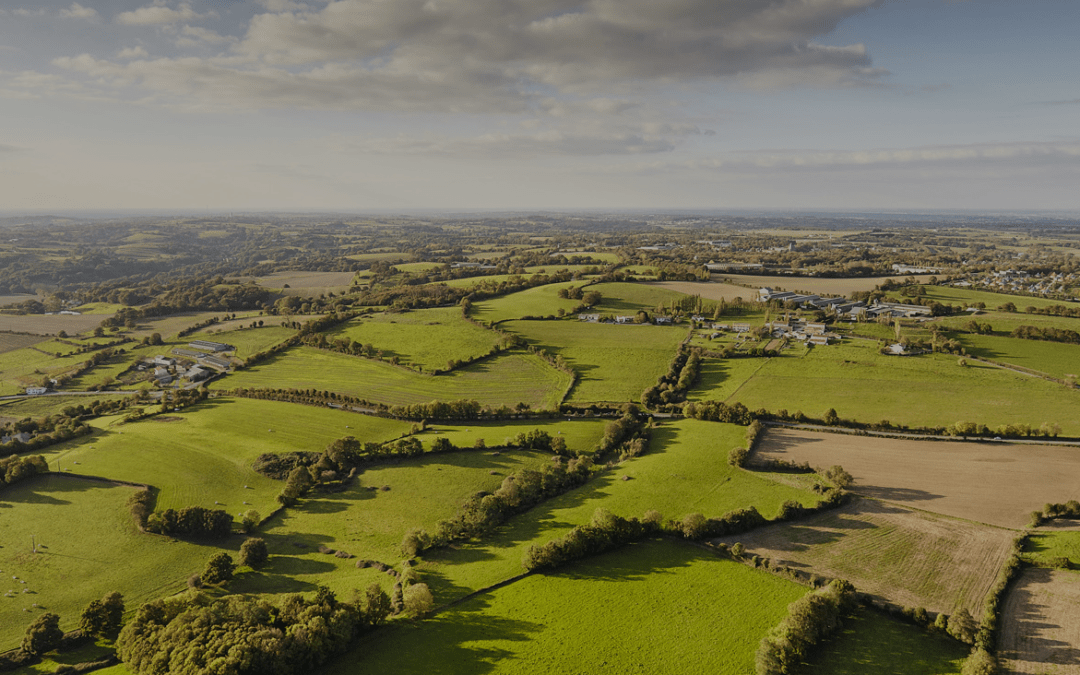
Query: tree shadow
[[1030, 618]]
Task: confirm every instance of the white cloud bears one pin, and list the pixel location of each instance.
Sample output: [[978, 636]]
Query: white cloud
[[136, 52], [283, 5], [194, 36], [159, 13], [77, 11], [25, 13]]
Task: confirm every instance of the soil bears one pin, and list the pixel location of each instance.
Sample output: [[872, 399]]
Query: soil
[[1040, 628]]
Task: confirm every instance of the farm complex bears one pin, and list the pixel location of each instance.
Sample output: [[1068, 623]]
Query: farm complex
[[531, 445]]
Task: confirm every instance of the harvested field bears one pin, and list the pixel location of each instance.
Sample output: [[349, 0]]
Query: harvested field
[[43, 324], [906, 557], [307, 284], [708, 290], [995, 483], [816, 285], [9, 342], [1040, 628]]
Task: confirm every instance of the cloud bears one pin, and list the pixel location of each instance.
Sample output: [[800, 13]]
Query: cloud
[[283, 5], [26, 13], [158, 13], [192, 36], [132, 53], [1075, 101], [77, 11]]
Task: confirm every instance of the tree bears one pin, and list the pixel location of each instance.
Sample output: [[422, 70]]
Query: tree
[[831, 418], [43, 635], [418, 600], [376, 605], [250, 521], [113, 604], [218, 569], [92, 621], [962, 626], [253, 552]]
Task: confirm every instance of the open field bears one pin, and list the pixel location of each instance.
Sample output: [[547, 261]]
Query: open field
[[1053, 358], [1038, 626], [202, 456], [11, 341], [29, 367], [720, 379], [247, 341], [1052, 541], [685, 471], [307, 284], [40, 406], [581, 435], [424, 338], [1004, 323], [45, 324], [502, 380], [871, 642], [18, 298], [995, 483], [951, 295], [538, 301], [708, 290], [930, 390], [88, 545], [372, 516], [909, 558], [613, 362], [628, 298], [816, 285], [655, 607]]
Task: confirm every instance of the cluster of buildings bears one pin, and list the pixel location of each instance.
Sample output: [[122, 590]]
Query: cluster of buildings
[[799, 329], [844, 308], [168, 369], [1014, 281]]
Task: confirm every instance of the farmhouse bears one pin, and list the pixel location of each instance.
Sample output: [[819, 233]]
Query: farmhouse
[[815, 328], [818, 340], [662, 320], [36, 391], [625, 319], [206, 345], [591, 318], [740, 327]]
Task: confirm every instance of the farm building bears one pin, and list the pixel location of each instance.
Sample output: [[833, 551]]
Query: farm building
[[625, 319], [663, 320], [187, 352], [740, 327], [215, 362], [36, 391], [163, 361], [206, 345], [818, 340], [815, 328], [591, 318]]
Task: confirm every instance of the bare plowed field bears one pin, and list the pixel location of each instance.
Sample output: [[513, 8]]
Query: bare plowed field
[[906, 557], [996, 483], [708, 290], [50, 324], [1040, 628]]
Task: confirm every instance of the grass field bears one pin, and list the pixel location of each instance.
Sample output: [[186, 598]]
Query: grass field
[[503, 380], [995, 483], [950, 295], [538, 301], [1004, 323], [247, 341], [307, 284], [1053, 358], [871, 642], [708, 290], [817, 285], [44, 324], [685, 471], [720, 379], [1055, 540], [425, 338], [28, 367], [627, 298], [655, 607], [39, 406], [88, 546], [1038, 623], [370, 523], [613, 362], [909, 558], [581, 435], [203, 456], [929, 390]]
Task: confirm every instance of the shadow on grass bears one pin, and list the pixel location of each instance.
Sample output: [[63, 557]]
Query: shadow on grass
[[45, 488]]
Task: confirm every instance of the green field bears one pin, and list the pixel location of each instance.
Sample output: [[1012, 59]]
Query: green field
[[28, 367], [951, 295], [40, 406], [1047, 545], [1005, 322], [502, 380], [1056, 359], [372, 516], [928, 390], [581, 435], [628, 298], [613, 362], [685, 471], [720, 379], [247, 341], [655, 607], [538, 301], [202, 456], [871, 642], [427, 338], [88, 546]]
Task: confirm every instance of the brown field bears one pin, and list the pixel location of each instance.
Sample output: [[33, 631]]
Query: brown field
[[6, 300], [42, 324], [1040, 627], [9, 342], [308, 284], [815, 285], [995, 483], [908, 558], [708, 290]]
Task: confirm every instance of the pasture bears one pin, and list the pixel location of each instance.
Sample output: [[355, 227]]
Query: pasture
[[628, 298], [709, 290], [1004, 323], [88, 546], [29, 367], [247, 341], [720, 379], [581, 435], [654, 607], [1056, 359], [426, 339], [1038, 623], [931, 390], [202, 456], [822, 286], [1052, 541], [307, 284], [870, 642], [371, 517], [995, 483], [538, 301], [951, 295], [49, 324], [685, 471], [614, 362], [908, 558], [40, 406], [502, 380]]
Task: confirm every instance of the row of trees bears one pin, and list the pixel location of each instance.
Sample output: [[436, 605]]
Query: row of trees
[[673, 385], [191, 521], [809, 620], [1048, 333], [15, 469], [604, 532]]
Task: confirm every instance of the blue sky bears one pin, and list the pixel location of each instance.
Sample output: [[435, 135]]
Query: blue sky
[[533, 104]]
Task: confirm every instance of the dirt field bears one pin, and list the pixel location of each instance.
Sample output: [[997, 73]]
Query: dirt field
[[42, 324], [708, 290], [1040, 628], [6, 300], [308, 284], [9, 342], [906, 557], [818, 286], [995, 483]]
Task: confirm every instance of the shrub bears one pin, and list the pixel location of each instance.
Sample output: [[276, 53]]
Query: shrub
[[418, 600], [219, 569], [253, 552], [43, 635]]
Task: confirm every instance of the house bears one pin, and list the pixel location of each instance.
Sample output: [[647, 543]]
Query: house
[[22, 437], [36, 391], [698, 318], [720, 326], [625, 319], [206, 345], [196, 373], [662, 320], [818, 340], [163, 361], [815, 328], [896, 349], [741, 327]]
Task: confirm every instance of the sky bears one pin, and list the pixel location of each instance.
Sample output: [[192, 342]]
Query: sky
[[539, 104]]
